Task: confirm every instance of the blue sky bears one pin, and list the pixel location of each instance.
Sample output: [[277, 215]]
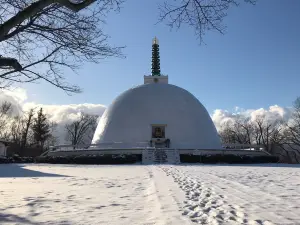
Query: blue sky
[[254, 65]]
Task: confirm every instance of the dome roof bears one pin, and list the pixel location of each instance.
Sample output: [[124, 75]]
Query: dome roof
[[129, 119]]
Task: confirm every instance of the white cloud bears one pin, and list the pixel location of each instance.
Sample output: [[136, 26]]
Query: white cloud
[[220, 117], [16, 97], [60, 114]]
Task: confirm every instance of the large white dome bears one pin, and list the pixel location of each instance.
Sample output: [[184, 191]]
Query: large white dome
[[130, 117]]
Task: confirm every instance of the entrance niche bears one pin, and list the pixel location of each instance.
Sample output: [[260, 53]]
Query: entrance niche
[[158, 136], [158, 131]]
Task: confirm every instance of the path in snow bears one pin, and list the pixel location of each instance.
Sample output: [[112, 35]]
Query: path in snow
[[239, 195]]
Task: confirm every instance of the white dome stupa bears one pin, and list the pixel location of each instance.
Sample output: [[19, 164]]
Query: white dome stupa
[[157, 113]]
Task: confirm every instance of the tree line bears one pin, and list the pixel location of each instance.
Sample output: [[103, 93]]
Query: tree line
[[34, 129], [277, 136]]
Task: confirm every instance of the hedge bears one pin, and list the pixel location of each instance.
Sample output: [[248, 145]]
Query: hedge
[[231, 159], [137, 158], [91, 159], [16, 159]]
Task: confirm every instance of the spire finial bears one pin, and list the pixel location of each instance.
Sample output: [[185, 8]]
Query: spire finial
[[155, 41], [155, 57]]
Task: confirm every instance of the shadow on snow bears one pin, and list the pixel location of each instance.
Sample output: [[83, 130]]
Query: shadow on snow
[[17, 170], [15, 219], [11, 218]]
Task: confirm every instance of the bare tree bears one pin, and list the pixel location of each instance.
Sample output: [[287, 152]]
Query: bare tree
[[201, 15], [260, 131], [292, 132], [19, 127], [226, 134], [52, 140], [269, 133], [17, 130], [5, 113], [238, 131], [243, 129], [39, 39], [27, 122], [5, 108], [79, 131]]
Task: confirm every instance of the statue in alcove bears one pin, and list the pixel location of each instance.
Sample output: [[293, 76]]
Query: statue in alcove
[[158, 132]]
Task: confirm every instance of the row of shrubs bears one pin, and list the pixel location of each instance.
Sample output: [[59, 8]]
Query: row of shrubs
[[137, 158], [88, 159], [16, 159], [91, 159], [231, 159]]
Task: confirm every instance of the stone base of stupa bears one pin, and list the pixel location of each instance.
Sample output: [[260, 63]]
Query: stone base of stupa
[[69, 150]]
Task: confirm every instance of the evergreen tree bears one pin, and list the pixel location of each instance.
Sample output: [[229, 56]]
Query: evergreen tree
[[41, 129]]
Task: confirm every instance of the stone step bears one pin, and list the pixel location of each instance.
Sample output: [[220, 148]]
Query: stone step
[[160, 156]]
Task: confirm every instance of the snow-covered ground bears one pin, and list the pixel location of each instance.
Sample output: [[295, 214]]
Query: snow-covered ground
[[159, 194]]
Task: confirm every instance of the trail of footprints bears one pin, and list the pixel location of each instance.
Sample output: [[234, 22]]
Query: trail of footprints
[[204, 206]]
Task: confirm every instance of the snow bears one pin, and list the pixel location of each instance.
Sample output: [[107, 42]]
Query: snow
[[153, 194]]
